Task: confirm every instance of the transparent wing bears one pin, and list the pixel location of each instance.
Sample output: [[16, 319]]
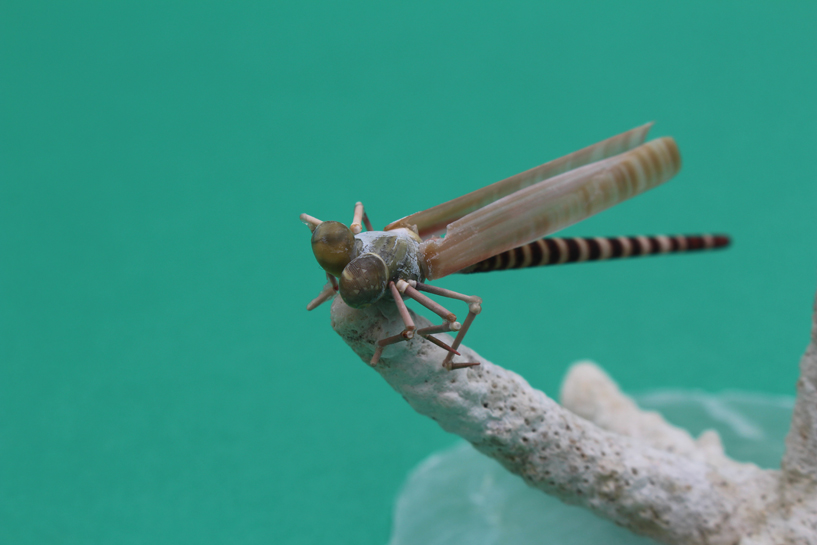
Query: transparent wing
[[550, 205], [434, 220]]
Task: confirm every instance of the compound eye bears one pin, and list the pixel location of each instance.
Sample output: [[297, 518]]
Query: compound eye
[[333, 245], [364, 280]]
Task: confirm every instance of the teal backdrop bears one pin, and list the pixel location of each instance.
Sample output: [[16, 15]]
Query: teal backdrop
[[160, 378]]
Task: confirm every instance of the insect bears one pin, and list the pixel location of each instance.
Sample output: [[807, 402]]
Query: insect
[[497, 227]]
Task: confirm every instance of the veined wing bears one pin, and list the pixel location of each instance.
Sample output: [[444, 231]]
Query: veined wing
[[550, 205], [434, 220]]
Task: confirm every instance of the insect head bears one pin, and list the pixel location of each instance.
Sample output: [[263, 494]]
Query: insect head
[[363, 278]]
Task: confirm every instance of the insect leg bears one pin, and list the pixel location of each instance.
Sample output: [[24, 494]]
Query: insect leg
[[438, 342], [426, 332], [310, 222], [401, 307], [383, 343], [406, 334], [328, 291], [436, 308], [449, 324], [442, 292], [409, 331], [360, 215], [442, 328], [474, 308]]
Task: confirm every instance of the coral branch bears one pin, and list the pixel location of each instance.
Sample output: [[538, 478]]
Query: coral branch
[[591, 393], [800, 460], [799, 489], [629, 466]]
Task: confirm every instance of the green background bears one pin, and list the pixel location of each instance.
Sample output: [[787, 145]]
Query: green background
[[160, 379]]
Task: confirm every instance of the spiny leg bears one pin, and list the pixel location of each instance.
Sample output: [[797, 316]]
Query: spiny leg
[[310, 222], [449, 323], [442, 328], [406, 334], [326, 293], [329, 290], [402, 308], [438, 342], [447, 363], [367, 223], [474, 308], [436, 308], [360, 214], [383, 343], [445, 327]]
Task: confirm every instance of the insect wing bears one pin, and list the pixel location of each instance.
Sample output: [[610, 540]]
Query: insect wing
[[434, 220], [550, 205]]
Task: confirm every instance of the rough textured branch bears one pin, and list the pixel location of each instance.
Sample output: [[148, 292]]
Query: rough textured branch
[[800, 460], [589, 392], [629, 466]]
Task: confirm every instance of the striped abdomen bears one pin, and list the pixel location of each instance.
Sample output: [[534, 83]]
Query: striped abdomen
[[555, 251]]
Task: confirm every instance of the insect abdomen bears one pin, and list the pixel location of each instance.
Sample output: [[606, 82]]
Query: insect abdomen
[[556, 251]]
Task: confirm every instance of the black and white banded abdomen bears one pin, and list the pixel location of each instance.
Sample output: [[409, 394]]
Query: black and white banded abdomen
[[556, 251]]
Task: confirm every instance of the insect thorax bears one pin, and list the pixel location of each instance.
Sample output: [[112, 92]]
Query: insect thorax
[[380, 257], [399, 249]]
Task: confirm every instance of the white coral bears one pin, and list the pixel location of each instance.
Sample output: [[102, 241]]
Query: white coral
[[599, 450]]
